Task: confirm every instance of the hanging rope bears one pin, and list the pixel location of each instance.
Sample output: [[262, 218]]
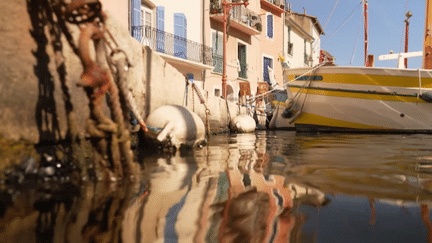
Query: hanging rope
[[355, 43], [327, 21], [353, 12], [331, 13], [207, 110]]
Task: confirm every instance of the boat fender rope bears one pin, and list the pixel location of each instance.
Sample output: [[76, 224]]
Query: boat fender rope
[[426, 96]]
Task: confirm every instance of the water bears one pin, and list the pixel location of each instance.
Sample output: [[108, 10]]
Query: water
[[269, 186]]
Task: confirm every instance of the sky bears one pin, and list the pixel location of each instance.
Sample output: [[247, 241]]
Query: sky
[[344, 31]]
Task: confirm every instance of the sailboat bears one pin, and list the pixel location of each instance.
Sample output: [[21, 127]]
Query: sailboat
[[329, 98]]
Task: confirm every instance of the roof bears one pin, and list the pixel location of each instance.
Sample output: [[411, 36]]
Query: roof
[[298, 27], [314, 20]]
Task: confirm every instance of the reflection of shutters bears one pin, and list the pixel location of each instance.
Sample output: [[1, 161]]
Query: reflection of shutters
[[136, 19], [160, 25], [180, 32], [267, 63], [270, 26], [217, 45]]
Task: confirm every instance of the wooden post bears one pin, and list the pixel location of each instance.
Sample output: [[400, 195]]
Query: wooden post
[[427, 43]]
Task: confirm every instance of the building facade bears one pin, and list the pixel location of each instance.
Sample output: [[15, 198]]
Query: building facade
[[190, 38], [303, 44], [272, 41], [242, 48]]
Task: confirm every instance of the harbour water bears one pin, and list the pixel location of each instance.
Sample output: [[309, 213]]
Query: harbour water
[[267, 186]]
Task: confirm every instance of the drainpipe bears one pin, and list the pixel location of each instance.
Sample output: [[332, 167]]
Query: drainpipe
[[203, 21]]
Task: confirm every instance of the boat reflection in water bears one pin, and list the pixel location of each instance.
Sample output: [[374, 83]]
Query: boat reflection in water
[[263, 187]]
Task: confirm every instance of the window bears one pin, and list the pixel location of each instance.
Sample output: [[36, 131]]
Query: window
[[290, 44], [147, 23], [148, 19], [270, 26], [242, 63], [217, 44], [267, 62], [180, 32], [217, 92], [160, 25], [305, 54]]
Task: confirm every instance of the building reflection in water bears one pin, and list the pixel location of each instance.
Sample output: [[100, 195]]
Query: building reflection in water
[[248, 189], [192, 198]]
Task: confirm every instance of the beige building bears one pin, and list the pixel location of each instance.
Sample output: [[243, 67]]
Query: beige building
[[302, 33], [272, 40], [190, 38], [242, 48]]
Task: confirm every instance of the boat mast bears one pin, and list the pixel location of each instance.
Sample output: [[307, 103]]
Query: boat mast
[[365, 10], [427, 43]]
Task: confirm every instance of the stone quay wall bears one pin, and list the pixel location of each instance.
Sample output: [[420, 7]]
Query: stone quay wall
[[39, 70]]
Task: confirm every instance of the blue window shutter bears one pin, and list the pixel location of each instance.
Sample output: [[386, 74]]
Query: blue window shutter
[[160, 15], [267, 63], [160, 25], [135, 19], [180, 34], [270, 26]]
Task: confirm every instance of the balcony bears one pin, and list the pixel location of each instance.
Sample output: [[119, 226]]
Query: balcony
[[241, 18], [276, 6], [173, 45]]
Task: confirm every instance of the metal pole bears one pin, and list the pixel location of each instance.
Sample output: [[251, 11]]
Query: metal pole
[[427, 43], [406, 41], [224, 75], [408, 16], [226, 8], [365, 9]]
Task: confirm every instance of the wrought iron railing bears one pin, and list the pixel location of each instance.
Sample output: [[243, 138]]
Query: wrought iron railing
[[173, 45]]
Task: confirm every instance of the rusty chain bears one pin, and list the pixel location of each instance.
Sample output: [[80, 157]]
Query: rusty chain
[[111, 137]]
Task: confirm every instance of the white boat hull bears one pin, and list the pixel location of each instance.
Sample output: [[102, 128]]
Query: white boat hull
[[277, 121], [362, 100]]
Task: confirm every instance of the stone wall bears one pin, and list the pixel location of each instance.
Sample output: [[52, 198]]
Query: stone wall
[[40, 70], [165, 85]]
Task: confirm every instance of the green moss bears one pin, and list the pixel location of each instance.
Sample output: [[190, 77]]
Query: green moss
[[13, 152]]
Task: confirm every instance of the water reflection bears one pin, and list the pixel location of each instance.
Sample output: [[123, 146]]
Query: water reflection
[[263, 187]]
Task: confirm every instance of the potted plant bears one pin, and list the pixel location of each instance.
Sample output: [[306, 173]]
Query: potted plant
[[258, 26]]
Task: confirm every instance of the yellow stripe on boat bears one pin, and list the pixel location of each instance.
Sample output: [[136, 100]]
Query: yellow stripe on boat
[[378, 80], [359, 95], [305, 118]]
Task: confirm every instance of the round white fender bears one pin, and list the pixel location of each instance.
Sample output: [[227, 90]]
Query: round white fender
[[242, 124], [175, 125]]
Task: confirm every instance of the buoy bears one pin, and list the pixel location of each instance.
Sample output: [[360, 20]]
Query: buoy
[[242, 124], [173, 125]]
